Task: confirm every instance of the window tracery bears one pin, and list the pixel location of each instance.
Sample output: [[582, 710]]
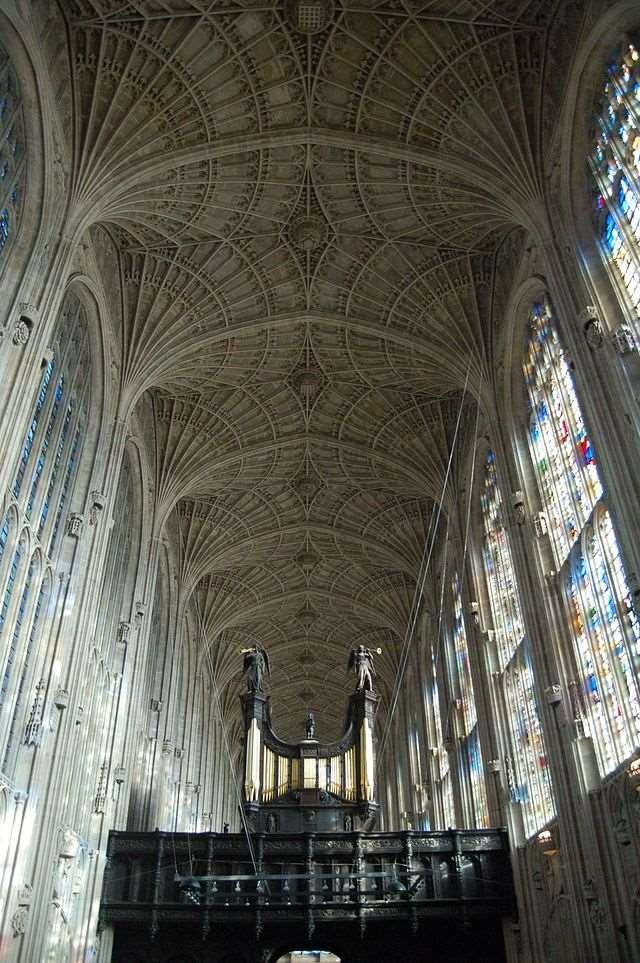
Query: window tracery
[[615, 165], [41, 488], [604, 626], [607, 638], [12, 152], [471, 753], [563, 456], [528, 775], [442, 766], [498, 566], [461, 649]]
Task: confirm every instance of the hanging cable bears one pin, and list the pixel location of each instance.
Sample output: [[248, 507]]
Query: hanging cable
[[225, 738], [439, 639], [422, 577], [223, 728]]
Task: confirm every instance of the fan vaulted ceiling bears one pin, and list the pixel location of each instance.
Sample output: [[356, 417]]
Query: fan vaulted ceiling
[[310, 199]]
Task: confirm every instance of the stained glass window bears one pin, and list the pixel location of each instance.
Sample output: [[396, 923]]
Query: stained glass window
[[501, 581], [471, 755], [615, 165], [27, 444], [12, 152], [461, 649], [443, 774], [11, 579], [526, 759], [18, 707], [607, 637], [55, 469], [44, 450], [68, 477], [604, 627], [4, 534], [529, 779], [42, 489], [17, 626], [563, 455], [476, 777]]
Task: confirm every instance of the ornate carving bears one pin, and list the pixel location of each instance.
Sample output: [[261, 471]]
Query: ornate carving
[[19, 920], [75, 525], [310, 16], [540, 525], [124, 630], [623, 339], [306, 485], [307, 616], [33, 729], [591, 326], [307, 560], [21, 332], [61, 698], [519, 512], [97, 502], [100, 799]]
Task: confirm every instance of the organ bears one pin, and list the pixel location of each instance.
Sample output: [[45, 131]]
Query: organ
[[310, 785]]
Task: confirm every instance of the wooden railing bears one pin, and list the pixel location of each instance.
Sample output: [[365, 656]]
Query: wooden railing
[[197, 880]]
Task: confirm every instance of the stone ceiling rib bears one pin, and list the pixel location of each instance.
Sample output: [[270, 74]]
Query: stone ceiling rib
[[308, 226]]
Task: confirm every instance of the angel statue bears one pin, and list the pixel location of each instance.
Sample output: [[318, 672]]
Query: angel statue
[[361, 660], [255, 667]]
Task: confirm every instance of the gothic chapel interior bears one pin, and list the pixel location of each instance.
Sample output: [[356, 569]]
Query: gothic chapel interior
[[319, 337]]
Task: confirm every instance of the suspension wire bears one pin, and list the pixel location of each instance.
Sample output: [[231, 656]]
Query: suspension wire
[[469, 501], [223, 728], [422, 577], [441, 608], [466, 535], [115, 878], [225, 738], [172, 831]]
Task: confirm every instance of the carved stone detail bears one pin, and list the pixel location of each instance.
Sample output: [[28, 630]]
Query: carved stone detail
[[308, 233], [61, 698], [75, 525], [33, 729], [21, 332], [310, 16], [97, 502], [623, 339]]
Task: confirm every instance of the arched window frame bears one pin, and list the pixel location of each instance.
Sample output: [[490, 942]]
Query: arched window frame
[[606, 633], [527, 772], [12, 155], [614, 163], [561, 451], [29, 685], [614, 723], [470, 753], [52, 447], [439, 682]]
